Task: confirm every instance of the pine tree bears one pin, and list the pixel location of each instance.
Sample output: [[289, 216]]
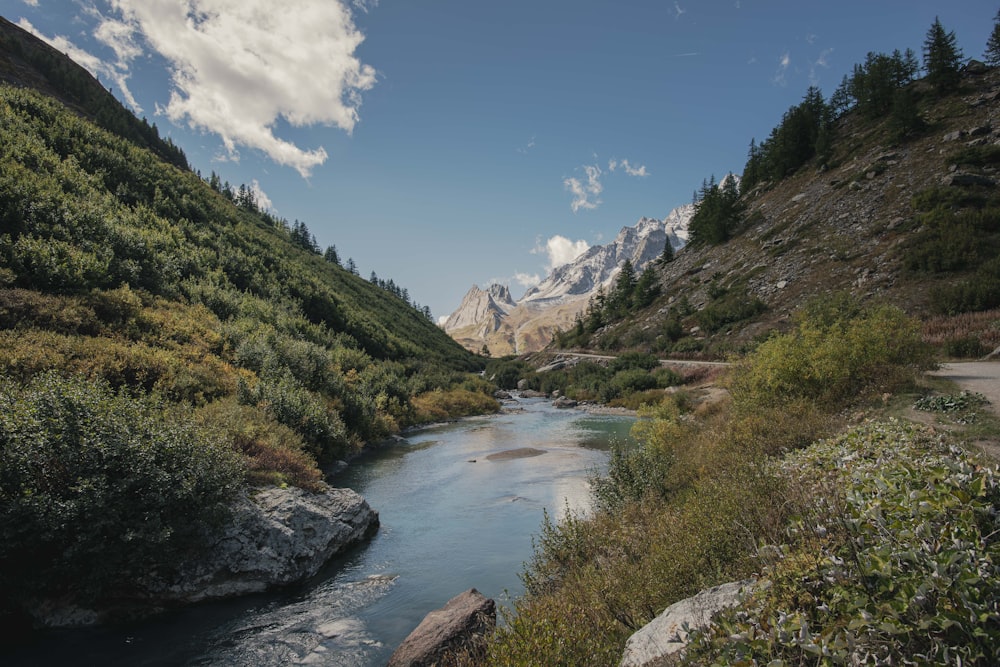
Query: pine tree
[[331, 255], [667, 255], [992, 54], [942, 58]]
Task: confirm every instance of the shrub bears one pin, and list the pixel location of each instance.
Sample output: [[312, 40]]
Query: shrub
[[898, 566], [441, 405], [99, 490], [838, 353]]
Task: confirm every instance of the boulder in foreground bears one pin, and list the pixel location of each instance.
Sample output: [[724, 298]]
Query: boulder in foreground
[[464, 618]]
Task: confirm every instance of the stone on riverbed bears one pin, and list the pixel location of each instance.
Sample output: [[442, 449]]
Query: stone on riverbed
[[520, 453]]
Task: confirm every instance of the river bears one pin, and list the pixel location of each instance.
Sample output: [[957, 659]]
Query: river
[[451, 519]]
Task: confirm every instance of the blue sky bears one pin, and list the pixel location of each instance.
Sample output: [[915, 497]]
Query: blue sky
[[449, 142]]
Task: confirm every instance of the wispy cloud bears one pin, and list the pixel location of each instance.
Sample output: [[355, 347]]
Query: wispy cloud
[[628, 168], [527, 147], [823, 61], [678, 11], [686, 55], [586, 192], [560, 250], [239, 67], [31, 3], [586, 195], [264, 202], [780, 75], [527, 279]]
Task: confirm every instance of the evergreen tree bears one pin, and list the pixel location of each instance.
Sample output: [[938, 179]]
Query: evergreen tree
[[331, 255], [942, 58], [992, 54], [905, 121], [647, 288], [667, 255], [351, 266], [620, 301]]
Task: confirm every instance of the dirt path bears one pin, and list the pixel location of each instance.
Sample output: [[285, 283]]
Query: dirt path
[[979, 376]]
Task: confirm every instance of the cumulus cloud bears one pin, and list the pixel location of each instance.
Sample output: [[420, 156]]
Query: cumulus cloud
[[560, 250], [31, 3], [586, 195], [239, 66]]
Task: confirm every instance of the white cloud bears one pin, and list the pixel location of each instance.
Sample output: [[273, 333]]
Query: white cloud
[[784, 62], [117, 72], [585, 195], [823, 61], [678, 10], [527, 279], [634, 171], [238, 66], [560, 250], [264, 202], [31, 3], [527, 147]]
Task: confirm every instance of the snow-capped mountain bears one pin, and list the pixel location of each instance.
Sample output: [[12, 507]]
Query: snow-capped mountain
[[482, 307], [641, 244], [490, 317]]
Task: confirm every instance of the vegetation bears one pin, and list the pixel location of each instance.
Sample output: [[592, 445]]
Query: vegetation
[[992, 53], [718, 212], [942, 58], [98, 489], [163, 343], [693, 504]]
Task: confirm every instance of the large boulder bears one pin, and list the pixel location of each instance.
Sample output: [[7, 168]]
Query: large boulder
[[668, 633], [275, 537], [466, 617]]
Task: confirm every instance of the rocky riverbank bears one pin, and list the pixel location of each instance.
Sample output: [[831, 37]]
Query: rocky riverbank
[[274, 537]]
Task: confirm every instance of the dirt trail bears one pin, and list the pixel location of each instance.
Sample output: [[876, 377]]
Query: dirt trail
[[979, 376]]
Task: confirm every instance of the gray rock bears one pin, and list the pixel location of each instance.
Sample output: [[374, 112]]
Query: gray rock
[[461, 621], [501, 395], [522, 385], [954, 136], [564, 402], [278, 537], [967, 180], [668, 633]]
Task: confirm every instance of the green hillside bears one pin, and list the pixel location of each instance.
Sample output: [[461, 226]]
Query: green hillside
[[163, 344]]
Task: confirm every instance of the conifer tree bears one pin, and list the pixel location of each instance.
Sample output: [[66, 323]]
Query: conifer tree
[[942, 58], [992, 54]]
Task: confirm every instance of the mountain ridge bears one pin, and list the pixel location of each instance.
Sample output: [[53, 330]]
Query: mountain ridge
[[555, 303]]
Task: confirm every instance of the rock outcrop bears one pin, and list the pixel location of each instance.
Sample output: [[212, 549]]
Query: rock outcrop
[[274, 538], [278, 537], [465, 618], [667, 634]]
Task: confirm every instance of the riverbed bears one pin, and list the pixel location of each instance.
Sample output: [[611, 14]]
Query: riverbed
[[458, 503]]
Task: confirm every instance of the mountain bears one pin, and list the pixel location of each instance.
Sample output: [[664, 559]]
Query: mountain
[[492, 319], [482, 308], [642, 243]]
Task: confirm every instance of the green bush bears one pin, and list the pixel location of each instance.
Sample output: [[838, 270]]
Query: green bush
[[900, 566], [99, 489], [839, 352]]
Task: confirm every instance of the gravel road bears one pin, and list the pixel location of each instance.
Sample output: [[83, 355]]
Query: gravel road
[[979, 376]]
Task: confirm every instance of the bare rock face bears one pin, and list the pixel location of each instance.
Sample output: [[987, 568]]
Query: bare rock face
[[463, 618], [667, 634], [278, 537]]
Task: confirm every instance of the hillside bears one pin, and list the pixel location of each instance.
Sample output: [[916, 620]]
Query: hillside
[[909, 222], [166, 347], [28, 62]]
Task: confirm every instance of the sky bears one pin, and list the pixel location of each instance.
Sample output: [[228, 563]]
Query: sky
[[447, 143]]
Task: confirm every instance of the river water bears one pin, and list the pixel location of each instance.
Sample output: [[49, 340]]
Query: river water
[[451, 519]]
